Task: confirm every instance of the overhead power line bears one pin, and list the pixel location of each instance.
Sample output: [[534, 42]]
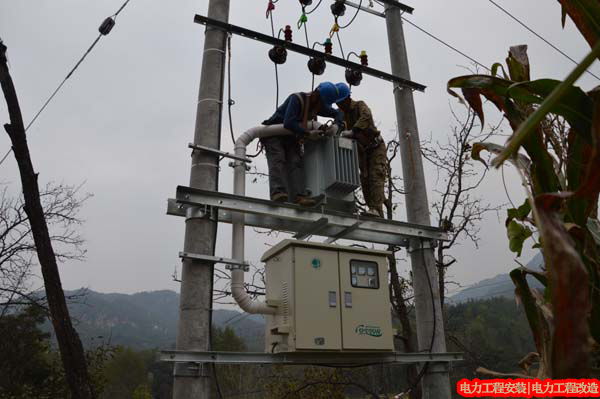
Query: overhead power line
[[104, 30], [434, 37], [538, 35], [473, 60]]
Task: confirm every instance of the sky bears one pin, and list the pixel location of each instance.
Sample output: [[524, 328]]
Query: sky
[[122, 122]]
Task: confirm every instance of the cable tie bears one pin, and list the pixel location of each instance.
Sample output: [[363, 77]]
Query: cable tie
[[205, 164], [215, 49], [210, 99]]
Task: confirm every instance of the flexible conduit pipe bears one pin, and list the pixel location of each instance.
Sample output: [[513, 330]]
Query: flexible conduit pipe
[[237, 236]]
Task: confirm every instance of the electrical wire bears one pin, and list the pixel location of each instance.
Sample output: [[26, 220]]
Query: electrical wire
[[314, 8], [55, 92], [446, 44], [337, 34], [426, 367], [353, 18], [230, 102], [538, 35], [442, 41], [276, 71]]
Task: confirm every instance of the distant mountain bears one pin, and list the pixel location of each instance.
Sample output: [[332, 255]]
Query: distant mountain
[[499, 286], [147, 320]]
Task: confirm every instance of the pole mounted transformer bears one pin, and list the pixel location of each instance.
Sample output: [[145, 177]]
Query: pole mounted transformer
[[351, 280]]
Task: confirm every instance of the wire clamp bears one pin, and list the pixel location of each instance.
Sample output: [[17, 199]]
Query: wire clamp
[[197, 212]]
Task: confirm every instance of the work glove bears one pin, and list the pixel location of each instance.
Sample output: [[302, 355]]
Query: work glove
[[347, 133], [314, 135]]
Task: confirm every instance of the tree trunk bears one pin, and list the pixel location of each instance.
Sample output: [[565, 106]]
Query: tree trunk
[[71, 349]]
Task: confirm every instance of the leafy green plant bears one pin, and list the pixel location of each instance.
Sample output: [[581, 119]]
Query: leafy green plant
[[557, 125]]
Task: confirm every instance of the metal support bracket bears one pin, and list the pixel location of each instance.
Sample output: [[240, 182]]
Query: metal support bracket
[[308, 51], [312, 229], [190, 369], [291, 218], [313, 357], [413, 245], [230, 264], [343, 233], [197, 212], [220, 153]]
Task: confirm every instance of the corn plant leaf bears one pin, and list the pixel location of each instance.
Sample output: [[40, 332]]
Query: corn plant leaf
[[590, 186], [537, 322], [518, 64], [492, 88], [593, 226], [575, 105], [517, 234], [542, 277], [521, 161], [569, 289], [586, 16], [531, 124], [494, 70]]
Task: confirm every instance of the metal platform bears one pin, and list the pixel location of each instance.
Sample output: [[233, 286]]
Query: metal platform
[[306, 358], [301, 221]]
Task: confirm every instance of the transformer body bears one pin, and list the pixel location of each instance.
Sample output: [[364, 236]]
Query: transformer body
[[331, 169]]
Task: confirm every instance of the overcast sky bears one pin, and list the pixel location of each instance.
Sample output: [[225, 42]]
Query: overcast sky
[[123, 121]]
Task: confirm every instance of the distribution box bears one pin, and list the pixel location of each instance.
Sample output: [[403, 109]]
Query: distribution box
[[329, 297]]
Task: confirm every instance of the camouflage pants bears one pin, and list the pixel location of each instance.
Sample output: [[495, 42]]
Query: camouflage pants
[[373, 173]]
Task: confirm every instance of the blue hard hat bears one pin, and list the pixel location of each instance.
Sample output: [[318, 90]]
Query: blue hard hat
[[343, 91], [331, 93]]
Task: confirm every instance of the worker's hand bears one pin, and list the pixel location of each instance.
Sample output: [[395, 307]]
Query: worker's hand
[[347, 133], [315, 135]]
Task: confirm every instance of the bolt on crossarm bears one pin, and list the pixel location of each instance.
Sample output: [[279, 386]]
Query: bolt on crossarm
[[195, 306], [430, 323]]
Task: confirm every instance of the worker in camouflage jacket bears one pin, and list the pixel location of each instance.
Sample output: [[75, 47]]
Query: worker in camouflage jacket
[[372, 151]]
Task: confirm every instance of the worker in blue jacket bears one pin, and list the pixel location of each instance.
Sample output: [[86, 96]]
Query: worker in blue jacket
[[284, 153]]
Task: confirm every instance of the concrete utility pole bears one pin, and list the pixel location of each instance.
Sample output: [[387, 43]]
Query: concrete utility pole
[[195, 306], [430, 323]]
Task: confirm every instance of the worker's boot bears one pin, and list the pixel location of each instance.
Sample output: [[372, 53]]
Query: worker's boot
[[373, 212], [279, 197], [306, 201]]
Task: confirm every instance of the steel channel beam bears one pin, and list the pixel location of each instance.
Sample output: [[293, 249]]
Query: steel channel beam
[[292, 218], [307, 51], [402, 7], [365, 9], [305, 358], [273, 223]]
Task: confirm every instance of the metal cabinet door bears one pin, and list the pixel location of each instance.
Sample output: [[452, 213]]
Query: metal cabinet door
[[317, 299], [366, 317]]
